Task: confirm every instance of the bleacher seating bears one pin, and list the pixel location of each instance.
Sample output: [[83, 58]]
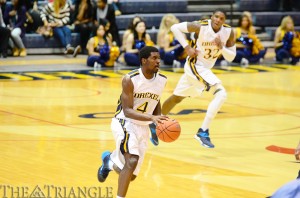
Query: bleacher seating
[[265, 14], [155, 19], [38, 44], [273, 18], [153, 6], [258, 5]]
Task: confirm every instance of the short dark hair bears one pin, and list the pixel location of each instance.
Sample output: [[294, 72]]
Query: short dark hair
[[220, 10], [145, 52]]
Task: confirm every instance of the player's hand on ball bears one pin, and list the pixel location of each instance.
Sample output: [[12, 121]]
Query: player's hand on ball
[[157, 119]]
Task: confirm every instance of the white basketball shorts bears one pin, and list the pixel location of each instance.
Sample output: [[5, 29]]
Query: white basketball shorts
[[131, 138], [193, 83]]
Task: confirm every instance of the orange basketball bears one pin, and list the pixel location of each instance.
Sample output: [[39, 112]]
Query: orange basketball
[[168, 131]]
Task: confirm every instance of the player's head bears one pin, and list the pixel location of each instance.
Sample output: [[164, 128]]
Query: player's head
[[218, 19], [150, 58]]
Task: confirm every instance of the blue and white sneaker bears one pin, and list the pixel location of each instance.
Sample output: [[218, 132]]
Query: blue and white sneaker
[[104, 169], [203, 138], [153, 138]]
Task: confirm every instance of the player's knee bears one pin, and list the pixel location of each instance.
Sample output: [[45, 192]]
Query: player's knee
[[133, 177], [220, 92], [177, 99], [132, 162], [14, 34], [223, 95]]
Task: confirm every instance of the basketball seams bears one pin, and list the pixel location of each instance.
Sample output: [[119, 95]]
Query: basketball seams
[[172, 125], [160, 132], [165, 134]]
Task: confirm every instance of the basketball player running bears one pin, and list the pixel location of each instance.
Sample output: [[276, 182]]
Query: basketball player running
[[213, 38], [139, 105]]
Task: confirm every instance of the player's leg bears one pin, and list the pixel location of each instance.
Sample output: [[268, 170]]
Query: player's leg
[[184, 88], [214, 106], [126, 173], [115, 160], [136, 147], [170, 103], [118, 171]]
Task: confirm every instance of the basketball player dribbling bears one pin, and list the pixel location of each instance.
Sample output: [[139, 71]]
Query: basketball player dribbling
[[138, 106], [213, 38]]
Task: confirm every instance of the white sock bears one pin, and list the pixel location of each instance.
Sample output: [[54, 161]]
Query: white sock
[[120, 197], [214, 106], [110, 165]]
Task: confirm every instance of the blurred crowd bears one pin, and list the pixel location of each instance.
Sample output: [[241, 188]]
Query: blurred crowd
[[95, 21]]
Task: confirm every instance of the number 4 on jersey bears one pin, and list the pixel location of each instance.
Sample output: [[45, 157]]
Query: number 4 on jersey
[[143, 107]]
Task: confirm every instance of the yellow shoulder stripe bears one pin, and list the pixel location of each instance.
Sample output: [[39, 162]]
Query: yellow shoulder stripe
[[226, 25]]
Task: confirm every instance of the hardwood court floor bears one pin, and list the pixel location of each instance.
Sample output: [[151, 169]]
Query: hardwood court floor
[[52, 132]]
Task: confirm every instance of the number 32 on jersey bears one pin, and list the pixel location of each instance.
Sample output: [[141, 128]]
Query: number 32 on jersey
[[211, 53]]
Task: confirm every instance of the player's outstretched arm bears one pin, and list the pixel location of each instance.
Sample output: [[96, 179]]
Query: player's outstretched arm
[[229, 50], [127, 104], [186, 27]]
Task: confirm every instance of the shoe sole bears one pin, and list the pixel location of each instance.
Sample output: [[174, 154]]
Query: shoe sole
[[155, 143], [199, 140], [100, 178]]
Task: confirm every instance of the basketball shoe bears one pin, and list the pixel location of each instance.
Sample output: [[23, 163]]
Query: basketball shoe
[[104, 169], [153, 137], [203, 138]]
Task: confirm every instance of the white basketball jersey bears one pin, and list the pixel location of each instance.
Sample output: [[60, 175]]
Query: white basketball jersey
[[146, 94], [208, 51]]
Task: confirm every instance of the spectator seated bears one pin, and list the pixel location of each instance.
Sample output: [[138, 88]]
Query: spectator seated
[[271, 30]]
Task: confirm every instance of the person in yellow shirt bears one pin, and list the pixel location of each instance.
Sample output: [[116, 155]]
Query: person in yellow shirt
[[135, 42], [284, 37], [101, 51], [249, 47]]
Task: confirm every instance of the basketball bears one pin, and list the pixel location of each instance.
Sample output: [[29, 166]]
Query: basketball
[[168, 131]]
